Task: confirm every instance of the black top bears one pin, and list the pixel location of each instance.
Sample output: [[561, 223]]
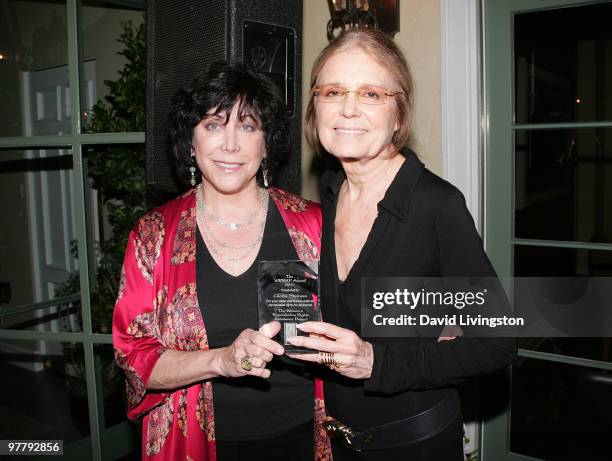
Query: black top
[[423, 228], [251, 407]]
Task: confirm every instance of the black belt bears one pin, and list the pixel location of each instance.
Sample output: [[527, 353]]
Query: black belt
[[417, 428]]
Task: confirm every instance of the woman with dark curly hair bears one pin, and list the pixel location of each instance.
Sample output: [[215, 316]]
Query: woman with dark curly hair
[[185, 325]]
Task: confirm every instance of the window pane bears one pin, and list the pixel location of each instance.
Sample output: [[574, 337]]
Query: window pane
[[563, 64], [563, 185], [534, 261], [116, 178], [560, 412], [34, 68], [44, 394], [114, 66], [38, 249], [119, 436]]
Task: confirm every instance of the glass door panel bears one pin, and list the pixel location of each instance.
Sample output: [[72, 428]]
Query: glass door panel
[[44, 395], [33, 68], [113, 45], [560, 411], [37, 250], [563, 64], [548, 72], [563, 184]]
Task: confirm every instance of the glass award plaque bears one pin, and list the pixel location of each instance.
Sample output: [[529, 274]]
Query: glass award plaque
[[288, 291]]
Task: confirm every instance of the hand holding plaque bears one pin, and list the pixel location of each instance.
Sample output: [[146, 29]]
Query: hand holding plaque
[[288, 291]]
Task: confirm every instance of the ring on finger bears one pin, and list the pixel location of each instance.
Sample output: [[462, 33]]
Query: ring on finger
[[329, 359], [325, 358], [245, 363]]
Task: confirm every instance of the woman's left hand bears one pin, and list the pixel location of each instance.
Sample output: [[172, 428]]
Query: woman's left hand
[[353, 356]]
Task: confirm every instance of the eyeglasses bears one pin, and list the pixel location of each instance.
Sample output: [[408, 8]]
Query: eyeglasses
[[366, 94]]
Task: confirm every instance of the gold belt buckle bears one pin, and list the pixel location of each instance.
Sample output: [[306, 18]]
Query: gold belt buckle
[[338, 430]]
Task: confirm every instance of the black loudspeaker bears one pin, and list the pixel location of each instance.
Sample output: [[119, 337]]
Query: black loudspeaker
[[185, 37]]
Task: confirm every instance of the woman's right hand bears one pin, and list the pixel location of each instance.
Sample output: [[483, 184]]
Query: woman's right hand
[[257, 346]]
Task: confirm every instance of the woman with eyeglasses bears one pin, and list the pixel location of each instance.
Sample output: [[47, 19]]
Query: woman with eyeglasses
[[386, 215]]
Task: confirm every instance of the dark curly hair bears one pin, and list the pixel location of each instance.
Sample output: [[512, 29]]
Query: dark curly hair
[[221, 87]]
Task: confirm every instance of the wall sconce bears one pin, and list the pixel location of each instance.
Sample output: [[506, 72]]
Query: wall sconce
[[380, 14]]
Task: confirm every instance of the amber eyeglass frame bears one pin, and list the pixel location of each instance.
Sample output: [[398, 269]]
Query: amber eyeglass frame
[[359, 92]]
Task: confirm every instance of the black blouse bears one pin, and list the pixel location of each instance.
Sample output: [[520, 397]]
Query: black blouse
[[423, 228], [250, 408]]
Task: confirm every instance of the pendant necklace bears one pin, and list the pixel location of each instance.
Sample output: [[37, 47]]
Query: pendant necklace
[[212, 242]]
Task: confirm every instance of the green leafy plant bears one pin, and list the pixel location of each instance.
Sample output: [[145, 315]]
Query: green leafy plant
[[117, 172], [124, 108]]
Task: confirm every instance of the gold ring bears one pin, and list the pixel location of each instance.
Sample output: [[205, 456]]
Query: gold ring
[[246, 364], [327, 358]]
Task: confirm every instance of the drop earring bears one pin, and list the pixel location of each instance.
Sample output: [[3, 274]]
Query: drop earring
[[264, 173], [192, 170]]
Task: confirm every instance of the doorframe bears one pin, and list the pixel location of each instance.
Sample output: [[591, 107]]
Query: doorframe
[[462, 127]]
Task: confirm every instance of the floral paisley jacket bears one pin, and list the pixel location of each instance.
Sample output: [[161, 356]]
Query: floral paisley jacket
[[157, 309]]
